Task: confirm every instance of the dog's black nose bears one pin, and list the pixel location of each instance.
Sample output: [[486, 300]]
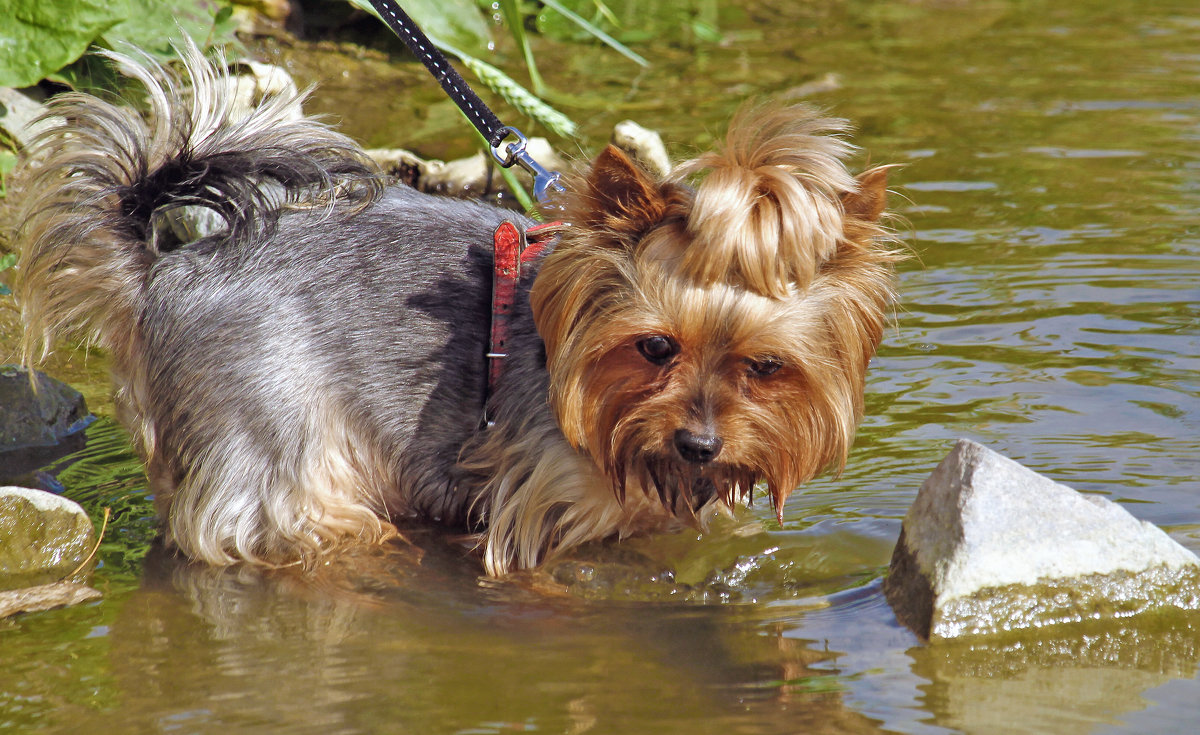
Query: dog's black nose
[[697, 448]]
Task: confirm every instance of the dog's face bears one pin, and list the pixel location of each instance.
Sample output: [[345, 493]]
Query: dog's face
[[703, 340]]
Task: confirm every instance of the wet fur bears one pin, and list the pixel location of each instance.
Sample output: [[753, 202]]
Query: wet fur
[[316, 370]]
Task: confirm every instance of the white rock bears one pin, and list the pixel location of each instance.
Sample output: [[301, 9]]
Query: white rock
[[475, 175], [989, 545], [43, 538], [643, 144], [19, 113], [45, 502]]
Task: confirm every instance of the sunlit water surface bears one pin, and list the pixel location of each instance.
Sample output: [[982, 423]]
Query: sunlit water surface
[[1051, 194]]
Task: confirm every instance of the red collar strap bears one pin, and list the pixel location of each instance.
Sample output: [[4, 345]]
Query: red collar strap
[[512, 250]]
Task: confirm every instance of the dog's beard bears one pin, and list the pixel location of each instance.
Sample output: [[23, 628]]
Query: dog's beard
[[684, 488]]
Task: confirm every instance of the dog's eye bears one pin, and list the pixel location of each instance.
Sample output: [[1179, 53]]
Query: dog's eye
[[658, 349], [763, 368]]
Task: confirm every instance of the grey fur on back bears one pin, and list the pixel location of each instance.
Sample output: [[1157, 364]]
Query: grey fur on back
[[384, 311], [296, 379]]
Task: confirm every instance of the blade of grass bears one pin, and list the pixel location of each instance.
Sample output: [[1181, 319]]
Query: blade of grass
[[526, 102], [99, 539], [601, 35], [516, 25]]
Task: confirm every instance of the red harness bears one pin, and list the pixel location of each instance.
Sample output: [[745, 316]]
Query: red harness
[[513, 249]]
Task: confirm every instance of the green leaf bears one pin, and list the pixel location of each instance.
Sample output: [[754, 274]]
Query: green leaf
[[8, 161], [155, 26], [89, 73], [6, 261], [455, 22], [37, 38], [706, 32]]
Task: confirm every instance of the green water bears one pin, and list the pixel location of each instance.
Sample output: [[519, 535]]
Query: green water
[[1051, 191]]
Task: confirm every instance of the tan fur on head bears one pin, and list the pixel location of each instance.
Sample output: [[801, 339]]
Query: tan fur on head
[[776, 259], [767, 209]]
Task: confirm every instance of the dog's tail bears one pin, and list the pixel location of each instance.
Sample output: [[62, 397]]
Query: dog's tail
[[102, 187]]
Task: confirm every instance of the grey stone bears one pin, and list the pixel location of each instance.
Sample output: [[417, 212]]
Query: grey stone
[[19, 111], [44, 538], [38, 417], [989, 545]]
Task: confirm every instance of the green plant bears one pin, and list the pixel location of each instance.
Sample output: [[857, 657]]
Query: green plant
[[630, 21], [47, 40], [457, 28], [8, 161], [593, 29], [7, 261], [515, 13]]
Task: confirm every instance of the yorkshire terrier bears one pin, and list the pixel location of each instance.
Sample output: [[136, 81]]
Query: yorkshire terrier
[[314, 369]]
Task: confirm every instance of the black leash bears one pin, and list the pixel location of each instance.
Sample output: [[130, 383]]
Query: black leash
[[480, 115]]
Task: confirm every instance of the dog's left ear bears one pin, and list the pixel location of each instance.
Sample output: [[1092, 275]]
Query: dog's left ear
[[869, 201], [620, 195]]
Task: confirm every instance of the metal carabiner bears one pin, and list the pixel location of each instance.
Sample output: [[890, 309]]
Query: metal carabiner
[[543, 181]]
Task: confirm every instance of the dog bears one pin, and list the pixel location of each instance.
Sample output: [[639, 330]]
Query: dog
[[313, 370]]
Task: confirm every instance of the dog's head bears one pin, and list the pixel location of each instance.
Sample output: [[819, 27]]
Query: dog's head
[[711, 331]]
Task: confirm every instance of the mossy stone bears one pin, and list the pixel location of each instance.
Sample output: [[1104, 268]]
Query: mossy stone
[[43, 537]]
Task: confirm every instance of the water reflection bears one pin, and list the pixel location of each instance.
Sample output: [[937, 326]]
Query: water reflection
[[1067, 678], [368, 648], [1019, 683]]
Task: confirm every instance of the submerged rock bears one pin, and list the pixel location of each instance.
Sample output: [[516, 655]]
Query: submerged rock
[[45, 597], [990, 545]]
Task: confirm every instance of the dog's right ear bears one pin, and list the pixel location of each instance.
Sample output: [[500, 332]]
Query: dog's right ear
[[619, 196], [870, 199]]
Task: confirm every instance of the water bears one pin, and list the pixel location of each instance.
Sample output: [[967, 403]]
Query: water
[[1051, 194]]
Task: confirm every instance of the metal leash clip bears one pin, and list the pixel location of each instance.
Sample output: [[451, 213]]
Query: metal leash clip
[[514, 152]]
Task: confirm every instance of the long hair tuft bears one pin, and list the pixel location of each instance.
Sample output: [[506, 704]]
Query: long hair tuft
[[767, 210], [96, 183]]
